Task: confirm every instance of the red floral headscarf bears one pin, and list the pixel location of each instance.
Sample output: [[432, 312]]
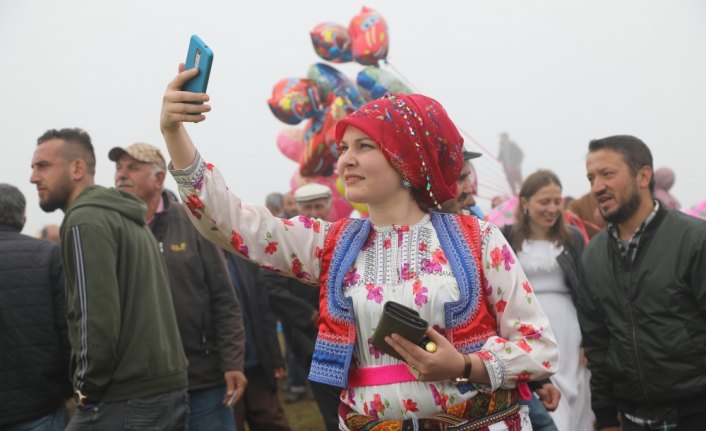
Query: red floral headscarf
[[418, 139]]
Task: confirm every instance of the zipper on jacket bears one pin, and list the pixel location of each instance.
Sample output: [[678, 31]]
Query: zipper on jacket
[[633, 329], [203, 328]]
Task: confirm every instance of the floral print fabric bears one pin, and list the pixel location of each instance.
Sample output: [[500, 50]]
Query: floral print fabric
[[401, 263]]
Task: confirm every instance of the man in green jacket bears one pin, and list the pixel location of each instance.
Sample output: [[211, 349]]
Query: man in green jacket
[[642, 306], [127, 362]]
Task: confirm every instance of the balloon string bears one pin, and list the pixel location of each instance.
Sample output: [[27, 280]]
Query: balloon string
[[497, 189], [404, 78], [484, 197], [490, 172], [482, 147], [495, 186], [491, 176], [466, 134]]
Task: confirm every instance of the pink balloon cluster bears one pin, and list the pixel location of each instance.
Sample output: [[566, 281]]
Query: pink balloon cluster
[[326, 95]]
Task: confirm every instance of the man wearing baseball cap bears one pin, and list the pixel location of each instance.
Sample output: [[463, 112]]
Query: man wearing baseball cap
[[208, 313]]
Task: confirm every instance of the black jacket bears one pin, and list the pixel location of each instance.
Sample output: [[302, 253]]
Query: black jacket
[[246, 279], [294, 303], [208, 313], [34, 345], [644, 326]]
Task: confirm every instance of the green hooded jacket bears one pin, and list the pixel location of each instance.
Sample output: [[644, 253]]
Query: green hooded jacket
[[124, 338]]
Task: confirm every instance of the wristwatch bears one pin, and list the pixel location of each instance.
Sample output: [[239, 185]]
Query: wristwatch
[[468, 366]]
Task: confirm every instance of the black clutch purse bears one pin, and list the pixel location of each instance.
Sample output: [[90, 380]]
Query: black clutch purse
[[404, 321]]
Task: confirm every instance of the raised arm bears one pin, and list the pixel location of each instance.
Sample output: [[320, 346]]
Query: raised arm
[[288, 246]]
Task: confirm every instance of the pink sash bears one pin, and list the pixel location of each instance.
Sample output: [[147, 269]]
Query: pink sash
[[383, 375]]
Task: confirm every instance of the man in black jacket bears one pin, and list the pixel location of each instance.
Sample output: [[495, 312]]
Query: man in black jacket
[[34, 345], [208, 314], [260, 406], [643, 307]]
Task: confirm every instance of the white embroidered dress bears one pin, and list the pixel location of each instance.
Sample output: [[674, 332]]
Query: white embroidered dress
[[405, 264], [538, 258]]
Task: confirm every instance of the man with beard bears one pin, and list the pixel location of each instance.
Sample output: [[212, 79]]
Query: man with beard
[[643, 306], [127, 362]]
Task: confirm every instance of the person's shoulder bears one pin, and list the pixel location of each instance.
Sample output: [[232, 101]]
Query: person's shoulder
[[598, 240], [692, 227], [686, 219], [85, 215], [177, 211], [576, 236], [488, 228], [17, 239]]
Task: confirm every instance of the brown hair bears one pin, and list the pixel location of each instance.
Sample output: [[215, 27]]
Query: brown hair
[[635, 153], [558, 233]]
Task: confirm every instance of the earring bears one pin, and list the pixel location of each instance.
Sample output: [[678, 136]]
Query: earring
[[526, 213], [406, 183]]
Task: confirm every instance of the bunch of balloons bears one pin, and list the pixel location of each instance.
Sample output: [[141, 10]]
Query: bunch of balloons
[[326, 95]]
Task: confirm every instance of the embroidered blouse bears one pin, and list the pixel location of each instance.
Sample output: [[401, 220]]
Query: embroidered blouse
[[401, 263]]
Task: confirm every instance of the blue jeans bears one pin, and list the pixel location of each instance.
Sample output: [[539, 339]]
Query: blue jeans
[[539, 416], [208, 412], [55, 421], [163, 412]]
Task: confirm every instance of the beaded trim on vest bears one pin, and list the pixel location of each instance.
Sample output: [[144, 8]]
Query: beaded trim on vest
[[468, 321]]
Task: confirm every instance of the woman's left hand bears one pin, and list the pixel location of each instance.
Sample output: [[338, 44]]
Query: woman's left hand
[[445, 363]]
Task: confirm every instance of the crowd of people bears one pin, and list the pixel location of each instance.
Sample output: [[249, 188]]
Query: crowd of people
[[156, 314]]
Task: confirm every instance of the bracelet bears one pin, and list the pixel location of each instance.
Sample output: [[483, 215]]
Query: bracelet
[[468, 366]]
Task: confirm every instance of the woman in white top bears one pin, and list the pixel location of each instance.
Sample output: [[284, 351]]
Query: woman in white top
[[401, 155], [550, 251]]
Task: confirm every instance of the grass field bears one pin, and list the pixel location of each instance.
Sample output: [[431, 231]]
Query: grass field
[[303, 415]]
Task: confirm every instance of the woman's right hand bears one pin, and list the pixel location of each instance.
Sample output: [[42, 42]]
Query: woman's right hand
[[175, 106], [176, 109]]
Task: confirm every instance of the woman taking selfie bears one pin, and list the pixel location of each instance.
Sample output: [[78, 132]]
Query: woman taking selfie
[[401, 155], [550, 253]]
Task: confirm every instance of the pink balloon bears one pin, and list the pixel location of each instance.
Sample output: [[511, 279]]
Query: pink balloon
[[290, 143]]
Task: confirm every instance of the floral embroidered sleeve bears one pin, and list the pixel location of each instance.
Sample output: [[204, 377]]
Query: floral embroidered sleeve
[[525, 348], [288, 246]]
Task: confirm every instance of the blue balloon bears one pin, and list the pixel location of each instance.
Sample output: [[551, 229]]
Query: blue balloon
[[376, 83], [330, 80]]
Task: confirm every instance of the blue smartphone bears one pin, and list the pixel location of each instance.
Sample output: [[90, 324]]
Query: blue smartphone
[[201, 57]]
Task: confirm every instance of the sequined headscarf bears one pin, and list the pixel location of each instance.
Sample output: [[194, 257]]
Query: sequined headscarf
[[418, 139]]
